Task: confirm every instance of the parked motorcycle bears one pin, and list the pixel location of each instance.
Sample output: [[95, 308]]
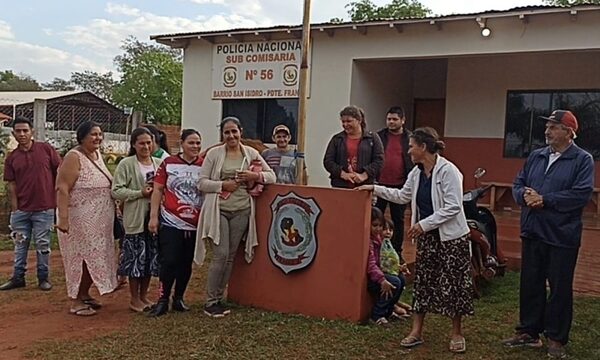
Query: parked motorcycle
[[487, 259]]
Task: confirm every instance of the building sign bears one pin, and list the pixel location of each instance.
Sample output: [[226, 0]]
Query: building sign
[[257, 70], [292, 239]]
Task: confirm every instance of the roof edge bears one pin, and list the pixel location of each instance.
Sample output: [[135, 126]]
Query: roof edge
[[170, 39]]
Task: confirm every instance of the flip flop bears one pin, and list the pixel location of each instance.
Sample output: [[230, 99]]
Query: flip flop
[[83, 310], [411, 341], [144, 308], [92, 303], [458, 346], [396, 316]]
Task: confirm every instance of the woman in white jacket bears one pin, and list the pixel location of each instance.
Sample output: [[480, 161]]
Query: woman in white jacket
[[228, 213], [443, 283]]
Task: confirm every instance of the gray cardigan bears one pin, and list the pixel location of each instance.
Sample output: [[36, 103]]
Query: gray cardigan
[[127, 187], [446, 195]]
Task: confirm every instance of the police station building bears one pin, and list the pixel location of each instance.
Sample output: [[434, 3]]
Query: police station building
[[480, 79]]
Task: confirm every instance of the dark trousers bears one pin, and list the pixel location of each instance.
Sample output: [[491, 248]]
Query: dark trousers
[[397, 212], [538, 313], [176, 253], [384, 307]]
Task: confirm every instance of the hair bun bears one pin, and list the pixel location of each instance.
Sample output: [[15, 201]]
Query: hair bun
[[440, 145]]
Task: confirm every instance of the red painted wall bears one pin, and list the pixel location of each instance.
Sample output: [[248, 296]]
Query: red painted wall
[[469, 154], [334, 285]]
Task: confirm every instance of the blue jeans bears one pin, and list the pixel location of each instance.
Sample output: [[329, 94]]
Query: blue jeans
[[25, 225], [385, 306]]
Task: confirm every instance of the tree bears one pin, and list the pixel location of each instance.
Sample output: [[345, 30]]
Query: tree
[[572, 2], [151, 81], [58, 84], [10, 81], [101, 85], [364, 10]]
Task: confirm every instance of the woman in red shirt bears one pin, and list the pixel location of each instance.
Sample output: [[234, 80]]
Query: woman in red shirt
[[354, 156]]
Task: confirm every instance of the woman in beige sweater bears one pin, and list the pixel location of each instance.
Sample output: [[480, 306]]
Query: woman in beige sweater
[[228, 210]]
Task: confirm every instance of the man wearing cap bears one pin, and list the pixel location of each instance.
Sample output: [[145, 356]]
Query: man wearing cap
[[396, 166], [553, 187], [282, 159]]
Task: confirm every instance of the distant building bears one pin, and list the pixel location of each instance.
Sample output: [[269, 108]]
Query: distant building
[[65, 109]]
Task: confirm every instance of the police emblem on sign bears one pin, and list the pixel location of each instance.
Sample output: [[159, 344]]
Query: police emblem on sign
[[292, 236]]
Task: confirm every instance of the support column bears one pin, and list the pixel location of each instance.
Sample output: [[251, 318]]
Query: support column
[[39, 119]]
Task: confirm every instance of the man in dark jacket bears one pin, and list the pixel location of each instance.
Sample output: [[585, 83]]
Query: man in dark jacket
[[553, 187], [396, 166]]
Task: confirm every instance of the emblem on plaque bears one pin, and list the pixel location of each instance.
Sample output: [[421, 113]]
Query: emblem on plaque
[[292, 239]]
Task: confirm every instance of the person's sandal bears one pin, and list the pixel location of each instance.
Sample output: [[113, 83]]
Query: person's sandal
[[411, 341], [92, 303], [458, 346], [83, 310]]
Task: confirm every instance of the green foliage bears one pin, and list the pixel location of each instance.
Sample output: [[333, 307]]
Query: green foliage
[[151, 81], [572, 2], [58, 84], [363, 10], [101, 85], [10, 81]]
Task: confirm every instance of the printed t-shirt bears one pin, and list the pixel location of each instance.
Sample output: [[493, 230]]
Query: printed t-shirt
[[180, 208], [283, 164], [352, 152]]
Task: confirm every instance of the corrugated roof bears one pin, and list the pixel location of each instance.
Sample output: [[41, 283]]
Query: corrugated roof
[[488, 13], [26, 97]]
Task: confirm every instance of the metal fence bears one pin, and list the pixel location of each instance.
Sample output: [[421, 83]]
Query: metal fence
[[56, 120]]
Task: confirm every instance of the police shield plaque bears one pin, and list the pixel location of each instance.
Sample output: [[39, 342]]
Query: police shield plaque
[[292, 236]]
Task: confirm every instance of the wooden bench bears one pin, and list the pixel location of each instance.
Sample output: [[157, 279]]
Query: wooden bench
[[498, 189]]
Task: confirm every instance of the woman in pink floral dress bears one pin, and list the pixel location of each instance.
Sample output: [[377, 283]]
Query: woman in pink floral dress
[[85, 221]]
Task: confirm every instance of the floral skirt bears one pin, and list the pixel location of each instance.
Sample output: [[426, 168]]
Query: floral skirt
[[443, 282], [139, 256]]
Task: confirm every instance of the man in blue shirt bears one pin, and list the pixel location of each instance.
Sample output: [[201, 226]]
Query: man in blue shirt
[[554, 186]]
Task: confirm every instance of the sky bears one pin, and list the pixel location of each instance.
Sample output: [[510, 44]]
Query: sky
[[48, 39]]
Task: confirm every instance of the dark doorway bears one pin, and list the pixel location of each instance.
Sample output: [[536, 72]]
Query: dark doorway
[[430, 112]]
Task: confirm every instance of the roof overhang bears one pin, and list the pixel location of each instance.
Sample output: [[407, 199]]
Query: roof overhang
[[181, 40]]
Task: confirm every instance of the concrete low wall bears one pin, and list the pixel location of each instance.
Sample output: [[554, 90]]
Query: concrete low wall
[[334, 285]]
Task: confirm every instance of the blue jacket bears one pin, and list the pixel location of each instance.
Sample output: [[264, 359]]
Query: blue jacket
[[566, 189]]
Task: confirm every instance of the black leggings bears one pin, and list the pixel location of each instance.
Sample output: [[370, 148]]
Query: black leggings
[[176, 253]]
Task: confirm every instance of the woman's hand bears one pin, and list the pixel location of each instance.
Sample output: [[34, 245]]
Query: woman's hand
[[230, 185], [347, 176], [62, 225], [153, 225], [415, 231], [360, 178], [365, 188], [147, 190], [247, 176], [387, 289]]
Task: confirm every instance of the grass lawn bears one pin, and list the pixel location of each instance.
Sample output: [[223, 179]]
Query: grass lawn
[[255, 334]]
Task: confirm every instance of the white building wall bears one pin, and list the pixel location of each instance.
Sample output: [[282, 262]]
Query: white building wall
[[476, 87]]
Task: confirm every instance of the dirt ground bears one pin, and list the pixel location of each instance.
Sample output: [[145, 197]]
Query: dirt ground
[[29, 315]]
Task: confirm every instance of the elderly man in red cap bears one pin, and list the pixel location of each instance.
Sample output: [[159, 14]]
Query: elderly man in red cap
[[553, 187]]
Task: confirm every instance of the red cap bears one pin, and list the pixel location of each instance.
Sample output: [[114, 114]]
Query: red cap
[[564, 117]]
